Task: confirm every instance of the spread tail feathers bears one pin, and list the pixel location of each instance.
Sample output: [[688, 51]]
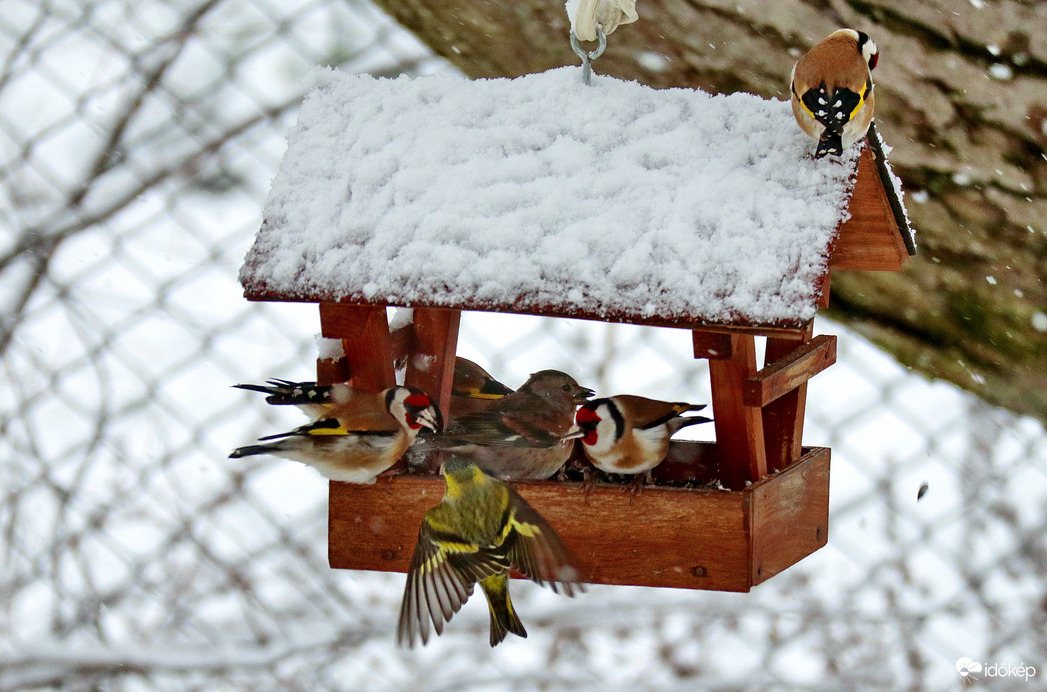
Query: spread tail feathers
[[286, 392], [830, 143], [503, 615]]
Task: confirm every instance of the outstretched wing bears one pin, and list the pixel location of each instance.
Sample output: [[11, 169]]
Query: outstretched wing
[[441, 576], [535, 549]]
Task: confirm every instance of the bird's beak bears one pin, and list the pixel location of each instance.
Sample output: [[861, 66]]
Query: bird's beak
[[576, 432], [582, 394], [430, 419]]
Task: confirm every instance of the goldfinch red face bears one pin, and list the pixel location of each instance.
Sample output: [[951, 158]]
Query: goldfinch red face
[[414, 407], [600, 422]]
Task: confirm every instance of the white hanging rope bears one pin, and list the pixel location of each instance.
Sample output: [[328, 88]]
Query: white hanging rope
[[586, 15]]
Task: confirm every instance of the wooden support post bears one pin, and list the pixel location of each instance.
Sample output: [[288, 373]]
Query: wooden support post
[[331, 370], [781, 388], [430, 361], [739, 428], [364, 331], [712, 345], [789, 365]]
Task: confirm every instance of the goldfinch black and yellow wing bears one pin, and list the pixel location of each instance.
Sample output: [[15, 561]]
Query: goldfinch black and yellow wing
[[473, 382]]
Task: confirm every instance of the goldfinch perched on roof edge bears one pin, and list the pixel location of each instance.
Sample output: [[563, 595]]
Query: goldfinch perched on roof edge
[[630, 434], [358, 438], [480, 530], [832, 90]]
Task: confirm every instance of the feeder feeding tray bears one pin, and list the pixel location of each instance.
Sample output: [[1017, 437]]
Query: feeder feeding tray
[[616, 203]]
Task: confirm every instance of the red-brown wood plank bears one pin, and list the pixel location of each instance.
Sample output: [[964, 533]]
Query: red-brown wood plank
[[663, 536], [869, 239], [430, 365], [712, 345], [784, 373], [824, 290], [790, 517], [332, 370], [783, 418], [784, 328], [364, 331], [739, 427]]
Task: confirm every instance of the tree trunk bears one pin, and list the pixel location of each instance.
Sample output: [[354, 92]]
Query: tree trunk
[[962, 98]]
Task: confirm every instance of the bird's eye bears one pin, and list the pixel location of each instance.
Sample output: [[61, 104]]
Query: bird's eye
[[566, 387]]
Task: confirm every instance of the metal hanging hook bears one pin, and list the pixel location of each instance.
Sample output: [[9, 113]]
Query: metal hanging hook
[[588, 57]]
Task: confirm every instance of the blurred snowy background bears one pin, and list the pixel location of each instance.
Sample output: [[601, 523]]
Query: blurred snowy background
[[137, 142]]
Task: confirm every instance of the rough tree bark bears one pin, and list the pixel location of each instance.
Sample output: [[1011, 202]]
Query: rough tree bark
[[962, 98]]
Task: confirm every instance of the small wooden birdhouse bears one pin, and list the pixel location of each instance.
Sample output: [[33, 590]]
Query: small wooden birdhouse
[[614, 202]]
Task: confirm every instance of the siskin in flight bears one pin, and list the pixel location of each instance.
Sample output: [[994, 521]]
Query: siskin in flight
[[359, 437], [480, 530], [832, 90], [525, 435], [630, 434]]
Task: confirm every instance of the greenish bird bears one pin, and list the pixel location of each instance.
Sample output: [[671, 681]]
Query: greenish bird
[[480, 531]]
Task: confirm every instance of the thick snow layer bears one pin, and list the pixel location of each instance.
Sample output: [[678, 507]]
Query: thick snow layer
[[615, 200]]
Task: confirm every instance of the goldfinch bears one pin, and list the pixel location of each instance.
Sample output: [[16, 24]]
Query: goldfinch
[[832, 90], [630, 434], [358, 438], [480, 530], [525, 435], [311, 399], [474, 389], [471, 382]]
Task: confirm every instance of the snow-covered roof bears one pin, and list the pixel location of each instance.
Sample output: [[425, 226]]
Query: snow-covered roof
[[613, 201]]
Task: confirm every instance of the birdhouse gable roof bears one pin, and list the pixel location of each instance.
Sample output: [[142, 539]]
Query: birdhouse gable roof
[[614, 201]]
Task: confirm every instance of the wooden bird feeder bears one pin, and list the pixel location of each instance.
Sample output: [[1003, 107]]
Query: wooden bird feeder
[[774, 511]]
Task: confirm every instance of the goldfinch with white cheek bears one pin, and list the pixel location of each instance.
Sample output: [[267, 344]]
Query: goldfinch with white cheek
[[832, 90], [357, 439], [630, 434], [480, 530]]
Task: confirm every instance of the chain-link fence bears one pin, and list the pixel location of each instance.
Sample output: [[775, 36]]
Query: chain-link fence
[[136, 145]]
